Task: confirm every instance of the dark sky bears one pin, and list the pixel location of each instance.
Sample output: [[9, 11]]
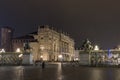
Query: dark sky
[[97, 20]]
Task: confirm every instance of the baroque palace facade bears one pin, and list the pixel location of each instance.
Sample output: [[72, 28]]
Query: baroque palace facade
[[47, 44]]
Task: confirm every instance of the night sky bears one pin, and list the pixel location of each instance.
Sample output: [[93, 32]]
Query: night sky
[[97, 20]]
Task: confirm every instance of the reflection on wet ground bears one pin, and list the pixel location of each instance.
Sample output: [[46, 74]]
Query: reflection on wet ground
[[58, 72]]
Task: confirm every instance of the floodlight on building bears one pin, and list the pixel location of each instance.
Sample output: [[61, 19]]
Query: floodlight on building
[[42, 47], [60, 56], [76, 59], [18, 50], [41, 56], [2, 51], [96, 48], [20, 55]]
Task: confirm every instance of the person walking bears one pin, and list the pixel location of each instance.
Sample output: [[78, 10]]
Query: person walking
[[43, 65]]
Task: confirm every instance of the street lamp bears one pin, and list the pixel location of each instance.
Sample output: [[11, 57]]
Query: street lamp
[[96, 48], [41, 49], [2, 51], [41, 56], [60, 57], [18, 50]]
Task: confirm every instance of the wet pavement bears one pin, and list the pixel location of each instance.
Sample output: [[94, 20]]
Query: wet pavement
[[58, 72]]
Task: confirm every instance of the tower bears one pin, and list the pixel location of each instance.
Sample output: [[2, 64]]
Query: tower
[[6, 34]]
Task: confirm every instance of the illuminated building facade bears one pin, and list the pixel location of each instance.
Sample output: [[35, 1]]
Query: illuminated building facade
[[52, 44], [47, 44]]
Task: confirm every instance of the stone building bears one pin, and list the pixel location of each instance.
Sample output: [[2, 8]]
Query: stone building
[[19, 42], [48, 45], [6, 34], [52, 45]]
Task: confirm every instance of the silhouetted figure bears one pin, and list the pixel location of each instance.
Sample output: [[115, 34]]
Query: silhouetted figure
[[43, 65]]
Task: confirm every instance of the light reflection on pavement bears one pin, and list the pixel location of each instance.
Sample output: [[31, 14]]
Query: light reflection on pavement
[[57, 71]]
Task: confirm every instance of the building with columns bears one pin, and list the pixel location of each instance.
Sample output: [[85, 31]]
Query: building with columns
[[48, 45], [52, 45]]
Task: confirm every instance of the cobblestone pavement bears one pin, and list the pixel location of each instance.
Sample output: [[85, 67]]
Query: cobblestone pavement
[[58, 71]]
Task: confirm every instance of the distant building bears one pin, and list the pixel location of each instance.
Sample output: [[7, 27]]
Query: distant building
[[6, 34], [47, 44], [19, 42]]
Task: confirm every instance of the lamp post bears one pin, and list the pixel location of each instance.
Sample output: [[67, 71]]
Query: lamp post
[[60, 57], [96, 48], [41, 50], [18, 50], [2, 51]]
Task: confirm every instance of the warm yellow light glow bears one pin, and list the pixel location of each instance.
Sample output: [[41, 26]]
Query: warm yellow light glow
[[60, 56], [96, 48], [42, 47], [76, 59], [2, 51], [41, 56], [18, 50], [20, 55]]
